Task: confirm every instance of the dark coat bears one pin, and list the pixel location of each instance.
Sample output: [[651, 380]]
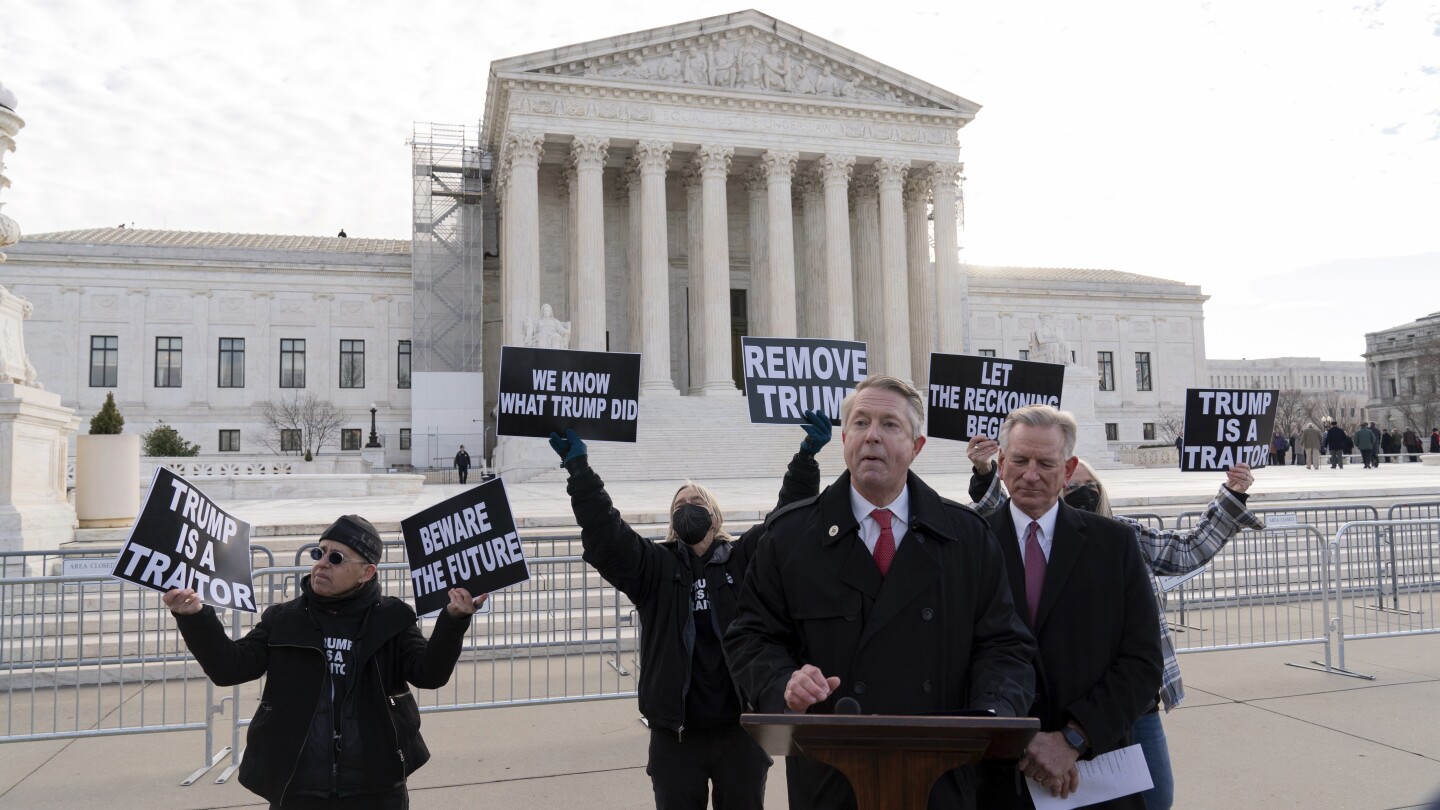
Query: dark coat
[[286, 647], [1099, 663], [939, 633], [658, 579], [462, 460]]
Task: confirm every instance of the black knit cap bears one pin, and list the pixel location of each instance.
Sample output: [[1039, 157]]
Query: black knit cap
[[357, 533]]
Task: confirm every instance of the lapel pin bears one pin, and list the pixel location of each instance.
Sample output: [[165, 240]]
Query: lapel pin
[[834, 530]]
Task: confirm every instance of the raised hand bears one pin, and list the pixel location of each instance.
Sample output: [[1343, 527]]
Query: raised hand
[[817, 431]]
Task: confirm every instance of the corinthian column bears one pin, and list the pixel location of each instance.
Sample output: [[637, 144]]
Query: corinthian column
[[714, 165], [839, 291], [759, 307], [814, 318], [894, 299], [870, 315], [949, 277], [630, 187], [921, 282], [521, 264], [695, 270], [779, 166], [587, 308], [654, 158]]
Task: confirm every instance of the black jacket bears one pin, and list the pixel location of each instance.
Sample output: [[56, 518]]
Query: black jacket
[[286, 647], [658, 578]]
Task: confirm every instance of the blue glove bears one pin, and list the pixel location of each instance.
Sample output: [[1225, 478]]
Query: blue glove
[[569, 448], [817, 432]]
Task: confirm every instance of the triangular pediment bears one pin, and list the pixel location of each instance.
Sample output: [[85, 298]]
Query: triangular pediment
[[745, 52]]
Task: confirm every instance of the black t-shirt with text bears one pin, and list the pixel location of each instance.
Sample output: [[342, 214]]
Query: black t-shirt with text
[[711, 701]]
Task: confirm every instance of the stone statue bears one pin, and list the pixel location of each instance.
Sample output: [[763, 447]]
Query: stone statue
[[547, 332], [15, 364], [777, 70], [722, 66], [1048, 344], [10, 125], [695, 69]]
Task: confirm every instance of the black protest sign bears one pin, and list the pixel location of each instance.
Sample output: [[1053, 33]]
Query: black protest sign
[[970, 396], [468, 541], [784, 377], [544, 391], [1225, 427], [183, 540]]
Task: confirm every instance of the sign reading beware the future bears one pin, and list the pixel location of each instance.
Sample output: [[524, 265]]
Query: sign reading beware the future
[[466, 541]]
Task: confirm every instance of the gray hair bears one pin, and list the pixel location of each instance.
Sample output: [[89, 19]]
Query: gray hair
[[885, 382], [1042, 416]]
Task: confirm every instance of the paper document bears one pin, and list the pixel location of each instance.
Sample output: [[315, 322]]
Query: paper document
[[1171, 583], [1108, 776]]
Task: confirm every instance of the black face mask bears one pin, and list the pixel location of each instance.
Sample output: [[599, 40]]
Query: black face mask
[[691, 522], [1085, 497]]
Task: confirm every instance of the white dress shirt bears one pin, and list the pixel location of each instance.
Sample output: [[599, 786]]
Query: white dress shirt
[[870, 528], [1046, 533]]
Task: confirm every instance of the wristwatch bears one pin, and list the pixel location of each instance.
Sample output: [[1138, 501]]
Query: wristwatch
[[1076, 740]]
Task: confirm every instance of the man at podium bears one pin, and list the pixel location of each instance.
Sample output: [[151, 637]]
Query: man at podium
[[881, 592]]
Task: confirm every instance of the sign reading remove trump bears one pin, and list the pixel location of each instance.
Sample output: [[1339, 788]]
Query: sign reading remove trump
[[1227, 427], [468, 541], [548, 390], [970, 396], [183, 540], [784, 377]]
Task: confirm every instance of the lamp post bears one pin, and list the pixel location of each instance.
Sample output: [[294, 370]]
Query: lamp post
[[374, 437]]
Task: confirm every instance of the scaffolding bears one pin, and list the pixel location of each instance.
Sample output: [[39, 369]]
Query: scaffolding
[[446, 251]]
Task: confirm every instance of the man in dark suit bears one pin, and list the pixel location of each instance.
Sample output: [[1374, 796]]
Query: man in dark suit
[[880, 591], [1080, 585]]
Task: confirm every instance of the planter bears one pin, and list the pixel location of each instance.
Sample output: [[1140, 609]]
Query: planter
[[107, 480]]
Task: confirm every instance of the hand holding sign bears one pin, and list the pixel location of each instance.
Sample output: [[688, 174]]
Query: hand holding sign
[[463, 604], [1238, 478], [183, 601], [817, 432], [981, 450]]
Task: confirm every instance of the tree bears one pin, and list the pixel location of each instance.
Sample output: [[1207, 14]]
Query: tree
[[1292, 409], [315, 421], [108, 421], [1170, 426], [166, 441]]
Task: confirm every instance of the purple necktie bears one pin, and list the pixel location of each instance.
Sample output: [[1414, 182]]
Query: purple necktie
[[885, 546], [1034, 570]]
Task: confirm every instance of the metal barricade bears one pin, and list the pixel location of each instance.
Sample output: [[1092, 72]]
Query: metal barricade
[[1328, 519], [1150, 519], [57, 561], [1413, 511]]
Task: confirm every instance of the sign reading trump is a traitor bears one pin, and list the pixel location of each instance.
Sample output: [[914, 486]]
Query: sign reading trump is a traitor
[[183, 540], [544, 391], [784, 377], [1226, 427], [468, 541], [970, 396]]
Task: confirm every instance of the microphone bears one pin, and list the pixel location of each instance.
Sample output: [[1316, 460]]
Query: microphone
[[847, 705]]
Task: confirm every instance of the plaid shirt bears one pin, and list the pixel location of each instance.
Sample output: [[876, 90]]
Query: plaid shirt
[[1170, 552]]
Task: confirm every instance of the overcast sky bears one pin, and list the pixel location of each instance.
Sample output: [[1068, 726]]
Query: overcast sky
[[1284, 155]]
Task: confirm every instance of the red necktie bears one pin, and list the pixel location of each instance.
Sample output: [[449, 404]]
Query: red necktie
[[885, 546], [1034, 570]]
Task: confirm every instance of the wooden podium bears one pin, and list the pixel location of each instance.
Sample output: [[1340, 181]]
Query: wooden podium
[[892, 762]]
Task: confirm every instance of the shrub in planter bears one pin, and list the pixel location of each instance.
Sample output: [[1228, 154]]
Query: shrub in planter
[[165, 441], [108, 421]]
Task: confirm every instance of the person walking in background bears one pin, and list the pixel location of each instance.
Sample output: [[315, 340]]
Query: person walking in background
[[1387, 445], [1278, 445], [1311, 437], [1365, 442], [1335, 441], [462, 464], [1435, 440], [1412, 444], [1297, 450]]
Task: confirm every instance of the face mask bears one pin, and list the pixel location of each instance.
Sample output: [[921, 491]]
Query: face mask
[[1085, 497], [691, 522]]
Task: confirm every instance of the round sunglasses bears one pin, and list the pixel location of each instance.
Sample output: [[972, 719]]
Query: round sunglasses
[[334, 558]]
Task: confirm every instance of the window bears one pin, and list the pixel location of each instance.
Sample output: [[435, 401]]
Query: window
[[1112, 432], [292, 363], [1106, 363], [350, 438], [1024, 354], [1142, 371], [229, 441], [1147, 430], [104, 361], [1392, 382], [402, 365], [987, 352], [232, 363], [1407, 386], [167, 362], [352, 364], [404, 438], [289, 440]]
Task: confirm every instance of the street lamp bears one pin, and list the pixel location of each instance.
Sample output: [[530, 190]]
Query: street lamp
[[374, 437]]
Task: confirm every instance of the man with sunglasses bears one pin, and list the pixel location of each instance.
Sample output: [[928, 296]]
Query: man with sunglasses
[[337, 724]]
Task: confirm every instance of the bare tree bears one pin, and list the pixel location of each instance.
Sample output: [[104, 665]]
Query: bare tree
[[1291, 411], [316, 420], [1169, 426]]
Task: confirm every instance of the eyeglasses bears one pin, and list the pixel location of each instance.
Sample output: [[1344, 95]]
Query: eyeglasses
[[334, 558]]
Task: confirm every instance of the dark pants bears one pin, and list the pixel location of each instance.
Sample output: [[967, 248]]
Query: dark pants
[[1368, 457], [394, 800], [464, 473], [1337, 459], [683, 771]]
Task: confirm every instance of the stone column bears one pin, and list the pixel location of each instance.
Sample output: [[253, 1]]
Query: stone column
[[521, 263], [695, 273], [870, 315], [630, 186], [713, 163], [834, 173], [570, 191], [815, 301], [653, 158], [894, 299], [779, 167], [921, 282], [945, 179], [759, 246], [587, 308]]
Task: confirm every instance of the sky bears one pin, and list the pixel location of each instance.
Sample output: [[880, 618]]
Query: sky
[[1283, 155]]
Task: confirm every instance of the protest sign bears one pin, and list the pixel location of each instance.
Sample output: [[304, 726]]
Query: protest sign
[[1227, 427], [183, 540], [548, 390], [970, 396], [468, 541], [784, 377]]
